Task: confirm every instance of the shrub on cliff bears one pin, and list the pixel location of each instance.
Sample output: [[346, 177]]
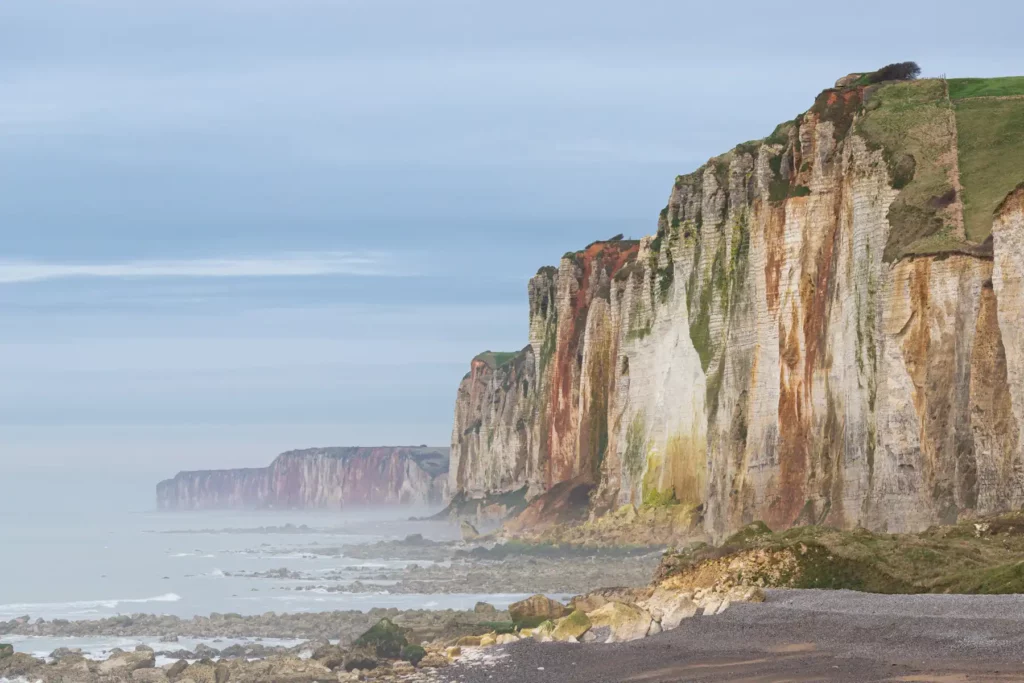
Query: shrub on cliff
[[977, 556], [900, 71]]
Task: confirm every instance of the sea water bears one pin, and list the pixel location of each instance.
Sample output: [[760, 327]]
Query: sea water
[[81, 549]]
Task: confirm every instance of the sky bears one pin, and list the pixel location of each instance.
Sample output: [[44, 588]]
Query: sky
[[233, 227]]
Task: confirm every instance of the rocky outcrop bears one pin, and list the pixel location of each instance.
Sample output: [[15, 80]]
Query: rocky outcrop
[[316, 478], [811, 337]]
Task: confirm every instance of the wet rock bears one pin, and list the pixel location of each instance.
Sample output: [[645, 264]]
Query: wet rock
[[537, 608], [485, 608], [62, 652], [331, 656], [6, 650], [18, 664], [627, 622], [126, 662], [385, 637], [205, 651], [176, 669]]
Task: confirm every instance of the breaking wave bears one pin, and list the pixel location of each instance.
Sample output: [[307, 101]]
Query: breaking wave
[[18, 609]]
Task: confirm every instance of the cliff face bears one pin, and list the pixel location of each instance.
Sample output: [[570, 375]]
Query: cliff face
[[826, 328], [316, 478]]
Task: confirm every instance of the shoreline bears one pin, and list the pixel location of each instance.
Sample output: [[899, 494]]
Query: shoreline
[[796, 634]]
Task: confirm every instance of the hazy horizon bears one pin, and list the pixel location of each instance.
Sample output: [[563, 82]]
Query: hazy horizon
[[232, 229]]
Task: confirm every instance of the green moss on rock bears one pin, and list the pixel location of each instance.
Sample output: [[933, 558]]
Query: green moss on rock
[[385, 638], [413, 654]]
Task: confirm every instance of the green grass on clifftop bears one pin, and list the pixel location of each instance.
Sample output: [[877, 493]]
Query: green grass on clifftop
[[981, 556], [913, 124], [991, 133], [961, 88]]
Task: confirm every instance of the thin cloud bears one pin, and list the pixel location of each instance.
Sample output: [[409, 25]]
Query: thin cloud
[[279, 265]]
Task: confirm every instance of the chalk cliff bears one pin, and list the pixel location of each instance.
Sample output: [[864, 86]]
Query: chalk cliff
[[827, 327], [316, 478]]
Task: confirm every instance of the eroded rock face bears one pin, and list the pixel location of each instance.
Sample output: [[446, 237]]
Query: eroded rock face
[[316, 478], [775, 352]]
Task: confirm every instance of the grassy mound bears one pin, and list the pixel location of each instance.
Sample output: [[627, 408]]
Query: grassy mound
[[985, 556]]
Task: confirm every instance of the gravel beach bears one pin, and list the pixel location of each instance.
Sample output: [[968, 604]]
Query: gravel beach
[[796, 635]]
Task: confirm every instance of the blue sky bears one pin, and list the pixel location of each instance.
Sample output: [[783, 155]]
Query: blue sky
[[229, 228]]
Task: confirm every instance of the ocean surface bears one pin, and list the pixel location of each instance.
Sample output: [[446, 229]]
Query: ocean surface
[[73, 549]]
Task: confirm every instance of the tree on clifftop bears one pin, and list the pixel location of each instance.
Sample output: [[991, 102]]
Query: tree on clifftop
[[901, 71]]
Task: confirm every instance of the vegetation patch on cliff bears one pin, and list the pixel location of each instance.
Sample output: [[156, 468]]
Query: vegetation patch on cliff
[[912, 123], [991, 144], [979, 556]]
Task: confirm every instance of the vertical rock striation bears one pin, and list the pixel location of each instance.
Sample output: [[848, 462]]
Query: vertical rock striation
[[809, 337], [316, 478]]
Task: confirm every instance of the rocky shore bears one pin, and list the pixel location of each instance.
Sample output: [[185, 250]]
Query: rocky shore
[[398, 646]]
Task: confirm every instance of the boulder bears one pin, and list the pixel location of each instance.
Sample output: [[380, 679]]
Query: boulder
[[670, 607], [572, 626], [150, 676], [386, 639], [537, 608], [848, 80], [485, 608], [6, 650], [711, 605], [627, 622], [126, 662], [74, 665], [202, 671], [221, 673], [330, 656], [18, 664], [543, 632], [176, 669], [601, 597]]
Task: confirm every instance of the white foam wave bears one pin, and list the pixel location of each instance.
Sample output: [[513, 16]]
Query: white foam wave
[[20, 608], [217, 573]]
